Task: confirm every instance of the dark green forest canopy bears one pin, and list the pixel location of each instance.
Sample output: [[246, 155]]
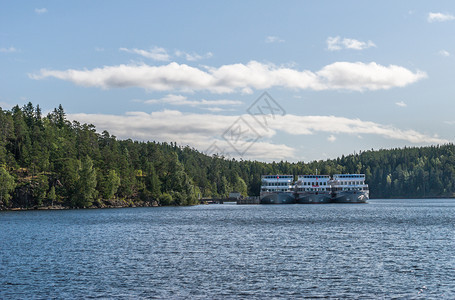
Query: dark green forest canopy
[[49, 160]]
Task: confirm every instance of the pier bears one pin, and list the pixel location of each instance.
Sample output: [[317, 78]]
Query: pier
[[239, 201]]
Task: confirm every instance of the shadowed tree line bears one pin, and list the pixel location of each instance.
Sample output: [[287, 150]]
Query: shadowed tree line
[[51, 161]]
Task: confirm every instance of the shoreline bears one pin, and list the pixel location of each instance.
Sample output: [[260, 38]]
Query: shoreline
[[155, 204]]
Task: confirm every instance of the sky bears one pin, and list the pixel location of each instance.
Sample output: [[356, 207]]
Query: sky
[[259, 80]]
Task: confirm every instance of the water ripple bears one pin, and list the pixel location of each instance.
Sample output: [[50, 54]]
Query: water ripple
[[387, 249]]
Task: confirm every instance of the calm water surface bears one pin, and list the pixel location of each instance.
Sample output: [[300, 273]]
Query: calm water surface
[[387, 248]]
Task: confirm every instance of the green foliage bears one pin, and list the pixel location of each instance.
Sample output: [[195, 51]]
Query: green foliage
[[152, 182], [7, 185], [111, 184], [51, 196], [240, 186], [165, 199], [85, 184], [39, 186]]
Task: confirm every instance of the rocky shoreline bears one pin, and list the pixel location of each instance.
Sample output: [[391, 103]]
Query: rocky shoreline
[[98, 205]]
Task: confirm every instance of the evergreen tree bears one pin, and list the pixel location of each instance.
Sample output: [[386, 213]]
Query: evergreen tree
[[86, 184], [152, 182], [51, 196], [111, 185], [7, 185]]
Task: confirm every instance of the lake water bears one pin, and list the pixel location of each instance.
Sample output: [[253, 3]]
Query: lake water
[[387, 248]]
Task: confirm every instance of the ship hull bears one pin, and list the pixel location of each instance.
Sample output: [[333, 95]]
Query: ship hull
[[350, 197], [277, 198], [313, 198]]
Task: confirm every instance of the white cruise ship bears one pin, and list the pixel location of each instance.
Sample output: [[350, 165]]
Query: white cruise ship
[[349, 188], [277, 189], [313, 189]]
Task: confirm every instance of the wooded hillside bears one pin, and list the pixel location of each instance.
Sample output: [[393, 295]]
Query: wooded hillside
[[52, 161]]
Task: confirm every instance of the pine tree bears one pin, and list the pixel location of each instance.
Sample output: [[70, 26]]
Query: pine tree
[[152, 182], [86, 184], [7, 185], [51, 196], [111, 185]]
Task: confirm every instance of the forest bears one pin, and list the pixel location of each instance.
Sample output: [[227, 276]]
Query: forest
[[49, 161]]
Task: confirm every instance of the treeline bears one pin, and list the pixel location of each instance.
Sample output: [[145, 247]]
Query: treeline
[[52, 161]]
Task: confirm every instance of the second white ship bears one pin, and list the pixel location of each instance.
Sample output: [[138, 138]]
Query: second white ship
[[313, 189]]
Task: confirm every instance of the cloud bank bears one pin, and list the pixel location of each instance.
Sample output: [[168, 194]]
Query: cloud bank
[[355, 76], [202, 130]]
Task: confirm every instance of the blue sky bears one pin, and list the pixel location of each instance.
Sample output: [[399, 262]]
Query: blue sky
[[345, 76]]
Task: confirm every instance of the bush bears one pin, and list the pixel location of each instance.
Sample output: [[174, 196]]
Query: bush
[[165, 199]]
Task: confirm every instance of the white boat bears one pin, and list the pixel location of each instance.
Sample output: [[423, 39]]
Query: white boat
[[277, 189], [349, 188], [313, 189]]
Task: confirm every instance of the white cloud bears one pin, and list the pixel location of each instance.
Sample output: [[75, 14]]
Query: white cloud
[[183, 100], [336, 43], [356, 76], [401, 104], [40, 11], [336, 125], [8, 50], [332, 138], [439, 17], [99, 49], [201, 130], [195, 130], [193, 56], [217, 109], [444, 53], [156, 53], [273, 39]]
